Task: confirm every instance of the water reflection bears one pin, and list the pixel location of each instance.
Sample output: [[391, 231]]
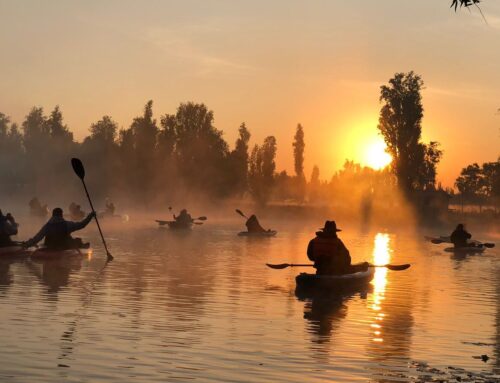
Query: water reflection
[[392, 319]]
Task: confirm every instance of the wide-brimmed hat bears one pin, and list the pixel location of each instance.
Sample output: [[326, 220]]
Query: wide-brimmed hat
[[330, 227]]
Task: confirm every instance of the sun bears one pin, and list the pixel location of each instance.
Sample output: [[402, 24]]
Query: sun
[[376, 157]]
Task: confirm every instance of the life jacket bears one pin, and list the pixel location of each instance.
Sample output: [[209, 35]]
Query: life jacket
[[58, 237]]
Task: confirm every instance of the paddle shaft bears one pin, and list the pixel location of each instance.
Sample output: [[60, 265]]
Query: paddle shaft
[[311, 265], [96, 220]]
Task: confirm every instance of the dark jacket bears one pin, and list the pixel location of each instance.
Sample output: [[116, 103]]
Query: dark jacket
[[253, 225], [57, 232], [460, 237], [329, 254]]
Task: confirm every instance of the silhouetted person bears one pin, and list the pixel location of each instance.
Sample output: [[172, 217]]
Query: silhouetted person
[[36, 208], [329, 254], [8, 227], [184, 218], [76, 212], [110, 208], [253, 225], [460, 236], [57, 232]]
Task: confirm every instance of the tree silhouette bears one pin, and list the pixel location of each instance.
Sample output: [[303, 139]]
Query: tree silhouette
[[298, 151]]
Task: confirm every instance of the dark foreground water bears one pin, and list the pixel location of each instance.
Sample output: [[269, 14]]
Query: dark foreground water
[[202, 306]]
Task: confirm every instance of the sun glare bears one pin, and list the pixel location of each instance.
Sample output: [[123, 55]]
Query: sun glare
[[376, 157]]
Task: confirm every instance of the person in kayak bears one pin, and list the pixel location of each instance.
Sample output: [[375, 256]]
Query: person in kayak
[[57, 232], [110, 208], [8, 227], [184, 218], [253, 225], [76, 211], [36, 208], [329, 254], [460, 236]]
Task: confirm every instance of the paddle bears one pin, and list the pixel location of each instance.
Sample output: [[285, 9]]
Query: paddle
[[241, 213], [202, 218], [438, 241], [285, 265], [80, 172]]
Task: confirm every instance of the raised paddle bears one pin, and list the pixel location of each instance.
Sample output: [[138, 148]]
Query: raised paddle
[[80, 172], [241, 213], [285, 265], [438, 241]]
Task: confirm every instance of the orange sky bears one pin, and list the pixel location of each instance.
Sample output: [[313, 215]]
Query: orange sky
[[270, 64]]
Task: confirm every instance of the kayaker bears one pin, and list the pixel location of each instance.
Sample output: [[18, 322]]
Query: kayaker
[[8, 227], [253, 225], [329, 254], [110, 208], [184, 218], [76, 211], [36, 208], [460, 236], [57, 232]]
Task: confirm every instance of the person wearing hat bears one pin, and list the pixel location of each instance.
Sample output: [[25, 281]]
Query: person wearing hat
[[8, 227], [328, 252], [57, 232], [460, 236]]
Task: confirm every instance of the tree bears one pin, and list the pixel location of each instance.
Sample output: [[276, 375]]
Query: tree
[[262, 167], [11, 156], [400, 125], [491, 174], [298, 151], [470, 183], [240, 158]]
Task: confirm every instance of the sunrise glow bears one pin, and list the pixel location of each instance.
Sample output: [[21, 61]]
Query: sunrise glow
[[376, 157]]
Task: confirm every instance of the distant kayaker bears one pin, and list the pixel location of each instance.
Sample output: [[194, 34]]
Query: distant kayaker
[[184, 218], [253, 225], [76, 211], [8, 227], [57, 232], [36, 208], [460, 236], [329, 254], [110, 207]]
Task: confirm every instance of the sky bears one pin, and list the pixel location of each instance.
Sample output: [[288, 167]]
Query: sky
[[270, 64]]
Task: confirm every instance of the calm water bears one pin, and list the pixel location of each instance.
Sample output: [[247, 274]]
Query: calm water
[[202, 306]]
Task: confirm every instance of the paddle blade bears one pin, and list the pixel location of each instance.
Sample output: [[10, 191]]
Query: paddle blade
[[240, 213], [489, 245], [280, 266], [78, 167], [436, 241], [398, 267], [161, 223], [203, 218]]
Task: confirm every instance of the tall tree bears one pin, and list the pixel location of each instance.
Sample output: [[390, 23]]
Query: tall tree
[[400, 125], [470, 183], [298, 151], [240, 158]]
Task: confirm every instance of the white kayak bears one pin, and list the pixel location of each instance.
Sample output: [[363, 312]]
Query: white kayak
[[269, 233], [335, 282]]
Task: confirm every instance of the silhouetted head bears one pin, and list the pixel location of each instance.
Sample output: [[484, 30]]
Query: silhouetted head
[[460, 226], [253, 216], [57, 212], [330, 227], [1, 214], [184, 211]]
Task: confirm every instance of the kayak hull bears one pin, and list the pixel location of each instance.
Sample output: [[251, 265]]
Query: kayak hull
[[465, 250], [54, 254], [271, 233], [13, 251], [335, 282], [173, 225]]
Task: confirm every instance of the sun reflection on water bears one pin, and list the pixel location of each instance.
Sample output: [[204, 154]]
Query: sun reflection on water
[[381, 255]]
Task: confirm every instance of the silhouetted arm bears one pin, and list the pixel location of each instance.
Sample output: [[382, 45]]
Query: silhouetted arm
[[37, 238], [74, 226]]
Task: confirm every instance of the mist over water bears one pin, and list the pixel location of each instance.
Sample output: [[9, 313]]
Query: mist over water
[[201, 305]]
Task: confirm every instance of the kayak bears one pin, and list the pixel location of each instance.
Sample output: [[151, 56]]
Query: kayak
[[13, 251], [43, 253], [447, 239], [270, 233], [335, 282], [465, 250]]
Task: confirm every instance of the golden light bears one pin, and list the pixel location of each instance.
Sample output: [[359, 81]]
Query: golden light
[[376, 157]]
